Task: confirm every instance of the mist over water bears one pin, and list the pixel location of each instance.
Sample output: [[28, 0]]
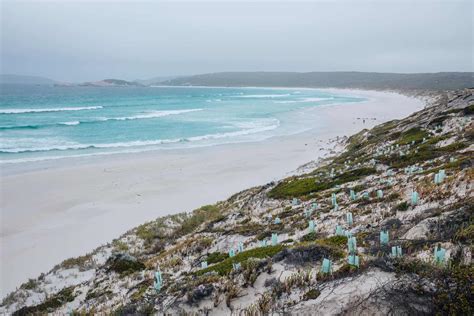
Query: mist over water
[[40, 122]]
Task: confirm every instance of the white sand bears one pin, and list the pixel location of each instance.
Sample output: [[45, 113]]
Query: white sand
[[54, 210]]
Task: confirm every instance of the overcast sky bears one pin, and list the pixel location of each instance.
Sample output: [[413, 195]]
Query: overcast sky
[[91, 40]]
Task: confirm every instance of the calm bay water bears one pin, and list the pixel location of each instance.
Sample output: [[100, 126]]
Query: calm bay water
[[42, 122]]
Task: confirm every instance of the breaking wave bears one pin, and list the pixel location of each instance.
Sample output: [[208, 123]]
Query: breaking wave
[[21, 111], [45, 145]]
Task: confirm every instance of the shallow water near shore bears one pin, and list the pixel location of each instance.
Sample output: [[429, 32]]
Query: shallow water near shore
[[44, 122]]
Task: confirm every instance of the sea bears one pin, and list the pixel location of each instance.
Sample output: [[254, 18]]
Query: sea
[[50, 122]]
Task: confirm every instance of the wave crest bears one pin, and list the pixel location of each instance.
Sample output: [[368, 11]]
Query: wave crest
[[31, 145], [22, 111], [154, 114], [304, 100]]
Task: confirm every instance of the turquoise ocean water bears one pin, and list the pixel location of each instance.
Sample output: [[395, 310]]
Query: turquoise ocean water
[[40, 122]]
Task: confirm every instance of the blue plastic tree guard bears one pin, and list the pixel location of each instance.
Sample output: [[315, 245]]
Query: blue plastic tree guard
[[231, 252], [204, 264], [397, 251], [326, 267], [384, 237], [349, 218], [158, 281], [274, 239], [277, 221], [414, 198], [379, 194], [352, 195], [311, 227], [352, 244], [440, 255], [240, 247], [353, 260], [339, 231]]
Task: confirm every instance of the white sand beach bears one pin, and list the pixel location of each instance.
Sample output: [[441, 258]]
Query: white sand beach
[[53, 210]]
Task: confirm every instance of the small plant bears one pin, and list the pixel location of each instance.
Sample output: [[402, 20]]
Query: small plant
[[402, 207], [120, 245], [30, 285], [311, 295], [232, 291]]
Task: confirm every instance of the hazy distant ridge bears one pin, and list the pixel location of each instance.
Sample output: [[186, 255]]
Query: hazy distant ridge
[[19, 79], [361, 80]]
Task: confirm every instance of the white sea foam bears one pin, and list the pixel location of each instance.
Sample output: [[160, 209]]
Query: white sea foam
[[248, 128], [264, 96], [304, 100], [153, 114], [71, 123], [20, 111], [25, 145]]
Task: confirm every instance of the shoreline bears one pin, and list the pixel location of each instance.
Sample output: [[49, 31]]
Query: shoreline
[[62, 210]]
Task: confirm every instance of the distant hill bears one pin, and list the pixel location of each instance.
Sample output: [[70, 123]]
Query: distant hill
[[30, 80], [358, 80], [156, 80]]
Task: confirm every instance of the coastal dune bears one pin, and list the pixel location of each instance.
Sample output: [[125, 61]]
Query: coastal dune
[[53, 210]]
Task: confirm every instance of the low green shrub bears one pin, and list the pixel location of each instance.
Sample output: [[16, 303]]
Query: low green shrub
[[295, 187], [402, 207], [216, 257], [415, 134], [50, 304], [224, 267]]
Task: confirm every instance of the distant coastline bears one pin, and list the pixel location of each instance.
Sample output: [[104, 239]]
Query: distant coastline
[[335, 79]]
